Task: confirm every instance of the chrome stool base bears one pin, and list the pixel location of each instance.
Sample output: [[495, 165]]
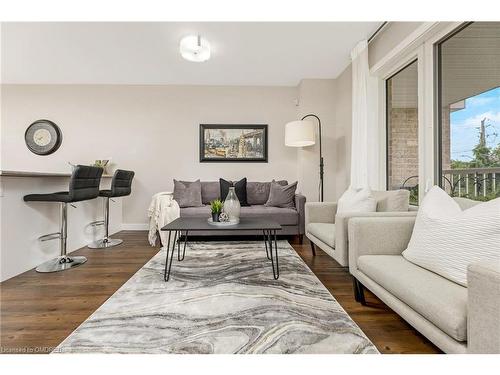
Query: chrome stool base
[[104, 243], [61, 263]]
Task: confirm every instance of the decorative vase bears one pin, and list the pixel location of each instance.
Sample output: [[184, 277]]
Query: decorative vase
[[215, 216], [232, 205]]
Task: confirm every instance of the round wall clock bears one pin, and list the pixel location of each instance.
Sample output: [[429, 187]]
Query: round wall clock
[[43, 137]]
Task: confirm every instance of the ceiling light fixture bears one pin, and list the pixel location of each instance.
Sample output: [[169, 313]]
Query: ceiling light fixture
[[194, 48]]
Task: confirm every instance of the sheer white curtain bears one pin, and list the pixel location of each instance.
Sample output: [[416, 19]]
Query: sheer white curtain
[[364, 147]]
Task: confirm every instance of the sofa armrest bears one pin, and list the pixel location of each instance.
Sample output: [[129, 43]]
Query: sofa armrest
[[483, 305], [300, 202], [341, 226], [320, 212], [378, 236]]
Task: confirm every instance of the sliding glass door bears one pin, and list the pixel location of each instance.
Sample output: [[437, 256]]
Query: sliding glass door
[[469, 111], [402, 130]]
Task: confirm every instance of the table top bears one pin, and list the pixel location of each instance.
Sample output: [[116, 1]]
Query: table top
[[12, 173], [188, 223]]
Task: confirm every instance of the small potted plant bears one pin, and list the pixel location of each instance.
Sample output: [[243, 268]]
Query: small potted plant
[[216, 207]]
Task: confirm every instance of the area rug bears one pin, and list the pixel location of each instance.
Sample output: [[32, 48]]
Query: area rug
[[221, 299]]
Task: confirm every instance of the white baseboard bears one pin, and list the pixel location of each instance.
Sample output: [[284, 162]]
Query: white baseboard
[[132, 226]]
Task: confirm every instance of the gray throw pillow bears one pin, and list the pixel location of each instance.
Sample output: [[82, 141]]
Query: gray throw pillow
[[281, 195], [392, 200], [188, 194], [258, 192]]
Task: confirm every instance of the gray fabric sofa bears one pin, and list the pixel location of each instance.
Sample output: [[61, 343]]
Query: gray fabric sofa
[[455, 318], [328, 230], [291, 219]]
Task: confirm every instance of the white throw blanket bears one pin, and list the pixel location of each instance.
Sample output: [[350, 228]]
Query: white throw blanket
[[162, 210]]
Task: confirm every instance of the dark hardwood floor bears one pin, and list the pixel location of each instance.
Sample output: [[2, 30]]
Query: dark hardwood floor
[[38, 311], [387, 330]]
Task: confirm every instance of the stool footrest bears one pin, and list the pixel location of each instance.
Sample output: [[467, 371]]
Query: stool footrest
[[97, 223], [51, 236]]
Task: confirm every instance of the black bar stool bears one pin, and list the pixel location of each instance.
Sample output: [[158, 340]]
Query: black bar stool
[[84, 185], [121, 186]]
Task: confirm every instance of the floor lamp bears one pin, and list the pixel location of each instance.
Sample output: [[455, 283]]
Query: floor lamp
[[302, 134]]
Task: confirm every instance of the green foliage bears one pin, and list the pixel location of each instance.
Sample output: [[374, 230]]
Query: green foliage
[[496, 154], [474, 186], [216, 206], [484, 156], [459, 164], [414, 195], [100, 163], [483, 198]]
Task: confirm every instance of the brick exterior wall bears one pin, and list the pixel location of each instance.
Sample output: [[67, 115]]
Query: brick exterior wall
[[402, 143], [402, 146]]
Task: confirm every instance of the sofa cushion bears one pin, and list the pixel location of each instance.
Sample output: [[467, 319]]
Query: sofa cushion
[[283, 216], [240, 188], [447, 239], [465, 203], [201, 212], [187, 194], [392, 200], [437, 299], [210, 190], [323, 231], [357, 200], [281, 195], [258, 192]]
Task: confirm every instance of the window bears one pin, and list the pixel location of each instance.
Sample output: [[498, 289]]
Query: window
[[402, 131], [469, 111]]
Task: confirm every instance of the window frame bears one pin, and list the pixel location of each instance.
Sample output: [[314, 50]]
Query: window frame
[[419, 45], [438, 109], [386, 84]]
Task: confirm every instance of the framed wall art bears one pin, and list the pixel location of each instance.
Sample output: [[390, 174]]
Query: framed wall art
[[233, 143]]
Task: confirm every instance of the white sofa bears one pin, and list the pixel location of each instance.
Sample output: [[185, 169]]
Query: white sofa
[[455, 318], [328, 230]]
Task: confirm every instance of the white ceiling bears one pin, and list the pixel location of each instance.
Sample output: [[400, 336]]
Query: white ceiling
[[274, 53]]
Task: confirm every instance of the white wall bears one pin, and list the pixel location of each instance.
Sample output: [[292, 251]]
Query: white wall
[[343, 128], [317, 96], [21, 223], [152, 130], [392, 34]]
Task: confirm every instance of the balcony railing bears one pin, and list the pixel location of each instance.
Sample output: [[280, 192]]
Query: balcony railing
[[473, 183]]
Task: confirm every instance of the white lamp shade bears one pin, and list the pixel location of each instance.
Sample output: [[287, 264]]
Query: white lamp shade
[[300, 134]]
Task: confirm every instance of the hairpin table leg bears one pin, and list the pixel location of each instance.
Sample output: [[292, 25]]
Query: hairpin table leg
[[265, 243], [170, 254], [179, 247], [276, 269]]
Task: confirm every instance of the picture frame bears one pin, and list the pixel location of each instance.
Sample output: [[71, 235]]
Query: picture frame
[[233, 143]]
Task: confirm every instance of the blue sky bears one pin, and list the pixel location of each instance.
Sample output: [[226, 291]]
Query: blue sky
[[465, 124]]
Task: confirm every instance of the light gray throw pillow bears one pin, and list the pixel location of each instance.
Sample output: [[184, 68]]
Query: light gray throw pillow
[[188, 194], [392, 200], [281, 195]]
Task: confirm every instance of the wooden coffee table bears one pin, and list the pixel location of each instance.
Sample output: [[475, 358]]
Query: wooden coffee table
[[187, 225]]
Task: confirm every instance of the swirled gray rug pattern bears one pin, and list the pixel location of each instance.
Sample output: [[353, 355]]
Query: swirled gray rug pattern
[[221, 299]]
